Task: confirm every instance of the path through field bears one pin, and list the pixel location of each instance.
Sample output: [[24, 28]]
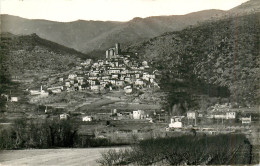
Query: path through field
[[32, 157]]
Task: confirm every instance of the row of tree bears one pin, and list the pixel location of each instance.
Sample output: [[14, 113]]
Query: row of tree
[[24, 134], [32, 134]]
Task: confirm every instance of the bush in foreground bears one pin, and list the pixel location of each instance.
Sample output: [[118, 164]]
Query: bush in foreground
[[210, 150]]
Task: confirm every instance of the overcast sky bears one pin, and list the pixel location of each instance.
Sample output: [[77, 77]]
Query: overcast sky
[[115, 10]]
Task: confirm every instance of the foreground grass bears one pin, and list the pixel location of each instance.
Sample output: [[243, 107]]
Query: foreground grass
[[54, 157]]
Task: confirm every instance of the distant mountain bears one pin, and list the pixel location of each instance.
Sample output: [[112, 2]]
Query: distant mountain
[[73, 34], [31, 54], [222, 53], [140, 29], [87, 36]]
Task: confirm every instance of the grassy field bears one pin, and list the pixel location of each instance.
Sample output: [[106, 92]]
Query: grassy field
[[33, 157]]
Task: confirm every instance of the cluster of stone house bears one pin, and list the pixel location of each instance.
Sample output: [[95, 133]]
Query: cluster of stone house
[[221, 112], [75, 82], [175, 121], [217, 111], [135, 115], [114, 71]]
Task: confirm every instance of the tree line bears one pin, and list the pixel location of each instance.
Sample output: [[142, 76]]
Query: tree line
[[24, 134]]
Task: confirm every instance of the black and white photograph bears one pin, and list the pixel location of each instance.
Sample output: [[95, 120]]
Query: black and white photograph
[[129, 82]]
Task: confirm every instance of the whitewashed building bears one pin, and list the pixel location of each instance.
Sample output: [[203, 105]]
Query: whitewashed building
[[119, 83], [14, 99], [87, 119], [139, 114], [72, 76], [95, 87], [246, 120], [192, 115], [127, 79], [139, 82], [64, 116], [230, 115], [41, 92], [144, 63], [176, 122], [219, 116], [80, 80], [114, 75], [57, 89], [146, 76]]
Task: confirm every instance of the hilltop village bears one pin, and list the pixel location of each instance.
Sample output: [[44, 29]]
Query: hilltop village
[[116, 71]]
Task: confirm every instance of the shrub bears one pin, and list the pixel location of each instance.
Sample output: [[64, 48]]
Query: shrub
[[112, 157]]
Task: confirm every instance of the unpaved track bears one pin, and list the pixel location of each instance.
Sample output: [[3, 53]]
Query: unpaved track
[[33, 157]]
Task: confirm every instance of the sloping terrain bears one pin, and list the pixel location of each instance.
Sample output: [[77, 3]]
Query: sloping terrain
[[140, 29], [33, 53], [29, 59], [247, 7], [222, 53]]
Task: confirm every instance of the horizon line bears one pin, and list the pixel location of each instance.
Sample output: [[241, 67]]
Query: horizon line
[[42, 19]]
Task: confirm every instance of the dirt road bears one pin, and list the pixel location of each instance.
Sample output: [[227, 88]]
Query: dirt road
[[73, 157]]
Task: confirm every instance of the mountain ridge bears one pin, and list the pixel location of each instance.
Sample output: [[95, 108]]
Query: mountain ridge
[[86, 36]]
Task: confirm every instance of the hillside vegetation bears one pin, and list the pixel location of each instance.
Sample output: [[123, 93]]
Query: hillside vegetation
[[213, 55], [30, 52]]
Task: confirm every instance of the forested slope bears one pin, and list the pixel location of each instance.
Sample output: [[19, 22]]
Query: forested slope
[[34, 53], [222, 53]]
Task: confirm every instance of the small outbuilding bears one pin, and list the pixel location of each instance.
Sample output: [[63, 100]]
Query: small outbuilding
[[87, 119], [14, 99], [246, 120], [139, 114], [176, 122], [192, 114], [64, 116]]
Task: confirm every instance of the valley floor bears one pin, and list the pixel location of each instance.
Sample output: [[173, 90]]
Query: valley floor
[[72, 157]]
